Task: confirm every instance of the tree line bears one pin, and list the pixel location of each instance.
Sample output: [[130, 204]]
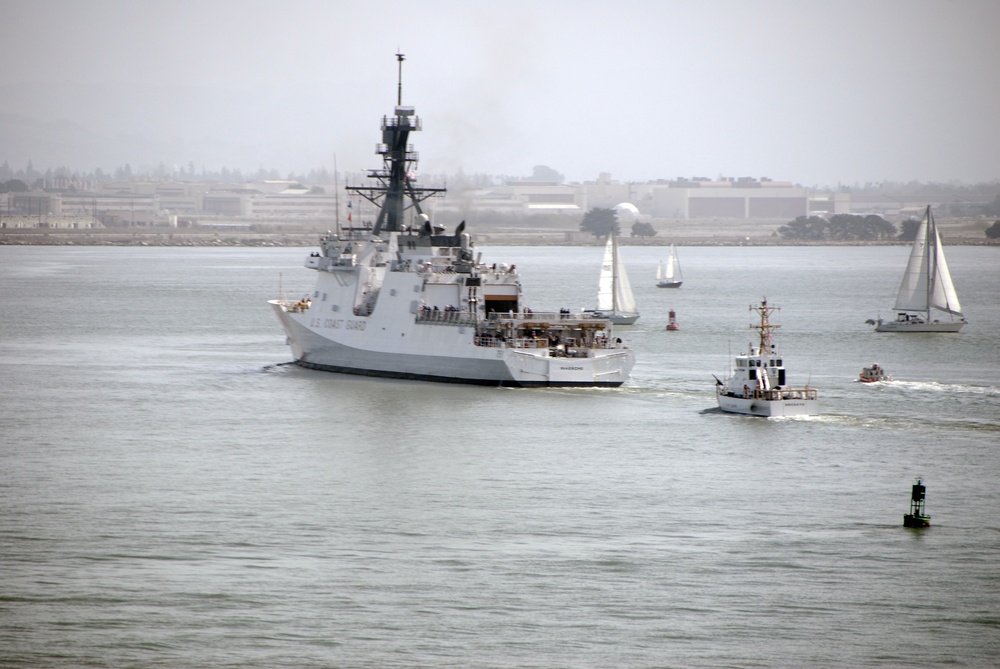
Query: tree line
[[840, 227], [857, 227], [601, 222]]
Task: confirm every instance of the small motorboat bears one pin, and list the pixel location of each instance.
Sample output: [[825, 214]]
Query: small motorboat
[[873, 374]]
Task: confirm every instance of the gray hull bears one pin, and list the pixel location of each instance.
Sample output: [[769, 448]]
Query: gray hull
[[473, 365]]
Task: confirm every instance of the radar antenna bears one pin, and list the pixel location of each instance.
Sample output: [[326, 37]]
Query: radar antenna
[[399, 95]]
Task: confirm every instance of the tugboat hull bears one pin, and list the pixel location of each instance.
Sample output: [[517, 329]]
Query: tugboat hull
[[769, 408]]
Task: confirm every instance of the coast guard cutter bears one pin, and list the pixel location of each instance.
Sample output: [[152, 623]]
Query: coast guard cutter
[[402, 298]]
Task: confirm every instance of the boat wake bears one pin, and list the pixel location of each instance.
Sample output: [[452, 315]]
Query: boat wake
[[901, 423], [950, 388], [278, 367]]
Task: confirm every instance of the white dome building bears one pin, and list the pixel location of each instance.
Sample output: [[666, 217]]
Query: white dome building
[[627, 212]]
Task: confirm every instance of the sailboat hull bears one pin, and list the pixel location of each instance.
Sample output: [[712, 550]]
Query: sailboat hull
[[913, 326], [669, 284], [616, 318]]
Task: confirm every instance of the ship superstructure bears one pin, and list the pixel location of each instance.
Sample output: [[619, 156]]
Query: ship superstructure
[[403, 298]]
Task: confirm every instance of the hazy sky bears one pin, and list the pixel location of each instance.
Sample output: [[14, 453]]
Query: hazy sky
[[820, 93]]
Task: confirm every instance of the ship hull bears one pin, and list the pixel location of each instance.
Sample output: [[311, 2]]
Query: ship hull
[[768, 408], [443, 353], [933, 326], [623, 319]]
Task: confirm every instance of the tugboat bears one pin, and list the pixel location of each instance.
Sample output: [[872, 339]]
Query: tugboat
[[758, 386], [873, 374], [916, 517], [403, 299]]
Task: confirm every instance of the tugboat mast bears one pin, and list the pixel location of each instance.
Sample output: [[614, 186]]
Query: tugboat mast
[[765, 326]]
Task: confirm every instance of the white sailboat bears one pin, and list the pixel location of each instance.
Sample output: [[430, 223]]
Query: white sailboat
[[614, 292], [668, 274], [926, 287]]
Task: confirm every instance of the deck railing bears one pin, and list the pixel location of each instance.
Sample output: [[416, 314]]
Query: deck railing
[[787, 394], [441, 317]]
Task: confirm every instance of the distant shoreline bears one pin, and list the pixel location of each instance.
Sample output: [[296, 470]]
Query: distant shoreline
[[506, 238]]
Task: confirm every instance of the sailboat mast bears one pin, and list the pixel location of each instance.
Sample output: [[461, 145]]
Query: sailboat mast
[[614, 273], [930, 248]]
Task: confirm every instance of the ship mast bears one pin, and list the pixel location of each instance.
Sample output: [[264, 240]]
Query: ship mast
[[336, 195], [398, 164], [399, 86], [765, 326]]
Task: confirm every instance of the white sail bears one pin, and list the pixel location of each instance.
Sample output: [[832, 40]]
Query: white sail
[[926, 281], [671, 261], [913, 290], [659, 272], [614, 292], [606, 284], [624, 299], [943, 295], [670, 277]]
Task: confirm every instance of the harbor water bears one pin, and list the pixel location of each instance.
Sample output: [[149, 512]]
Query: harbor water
[[174, 494]]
